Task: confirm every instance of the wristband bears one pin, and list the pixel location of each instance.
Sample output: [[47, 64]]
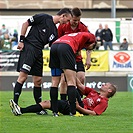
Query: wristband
[[22, 37]]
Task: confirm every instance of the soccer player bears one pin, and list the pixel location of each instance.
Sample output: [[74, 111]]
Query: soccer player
[[94, 103], [73, 26], [42, 31], [62, 58]]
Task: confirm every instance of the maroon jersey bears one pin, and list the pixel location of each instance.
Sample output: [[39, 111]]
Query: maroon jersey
[[64, 29], [77, 40], [93, 101]]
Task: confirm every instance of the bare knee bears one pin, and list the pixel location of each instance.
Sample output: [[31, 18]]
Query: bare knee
[[37, 81]]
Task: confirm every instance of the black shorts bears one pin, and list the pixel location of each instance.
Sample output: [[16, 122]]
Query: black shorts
[[62, 57], [30, 60], [80, 66], [63, 107]]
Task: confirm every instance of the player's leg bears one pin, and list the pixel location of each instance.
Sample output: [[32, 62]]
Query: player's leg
[[17, 110], [63, 88], [80, 74], [54, 64], [68, 64], [18, 86], [54, 92], [71, 89]]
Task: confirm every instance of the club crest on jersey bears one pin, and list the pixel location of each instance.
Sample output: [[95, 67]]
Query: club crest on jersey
[[31, 19], [51, 37]]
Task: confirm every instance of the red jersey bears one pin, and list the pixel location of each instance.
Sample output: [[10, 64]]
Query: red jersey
[[77, 40], [93, 101], [64, 29]]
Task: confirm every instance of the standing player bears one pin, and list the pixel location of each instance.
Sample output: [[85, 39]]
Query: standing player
[[75, 25], [43, 31], [62, 57]]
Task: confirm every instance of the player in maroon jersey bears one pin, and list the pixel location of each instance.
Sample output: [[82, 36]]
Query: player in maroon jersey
[[62, 58], [73, 26], [95, 103]]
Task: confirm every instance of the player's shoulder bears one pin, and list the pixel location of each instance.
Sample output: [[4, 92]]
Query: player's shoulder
[[82, 24], [63, 25]]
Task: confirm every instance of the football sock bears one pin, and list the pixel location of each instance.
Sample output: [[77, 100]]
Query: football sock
[[17, 92], [71, 91], [63, 96], [54, 99], [80, 93], [78, 97], [32, 109], [37, 92]]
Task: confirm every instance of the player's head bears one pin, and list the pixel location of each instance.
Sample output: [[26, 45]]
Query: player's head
[[65, 15], [76, 12], [109, 89]]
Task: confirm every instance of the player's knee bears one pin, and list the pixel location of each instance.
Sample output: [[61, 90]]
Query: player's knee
[[37, 81]]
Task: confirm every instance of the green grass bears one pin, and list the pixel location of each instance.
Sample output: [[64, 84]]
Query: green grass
[[117, 118]]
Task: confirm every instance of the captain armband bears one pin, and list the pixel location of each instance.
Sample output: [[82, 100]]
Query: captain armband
[[22, 37]]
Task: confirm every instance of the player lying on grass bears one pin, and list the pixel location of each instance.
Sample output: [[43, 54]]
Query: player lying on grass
[[94, 103]]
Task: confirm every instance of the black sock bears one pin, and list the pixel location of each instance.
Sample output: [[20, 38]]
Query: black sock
[[17, 92], [71, 91], [78, 97], [37, 92], [54, 99], [80, 93], [32, 109], [63, 96]]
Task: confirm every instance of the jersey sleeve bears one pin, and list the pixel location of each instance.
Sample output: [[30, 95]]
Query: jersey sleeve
[[53, 35], [88, 90], [36, 19], [101, 107]]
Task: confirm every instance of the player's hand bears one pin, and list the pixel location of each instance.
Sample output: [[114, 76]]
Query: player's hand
[[20, 46], [77, 104], [87, 65]]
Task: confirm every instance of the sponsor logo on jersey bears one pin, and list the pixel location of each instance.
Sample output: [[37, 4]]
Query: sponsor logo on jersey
[[27, 67], [122, 60], [51, 37], [44, 30], [31, 19]]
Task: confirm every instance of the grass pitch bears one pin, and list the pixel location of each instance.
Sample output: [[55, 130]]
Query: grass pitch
[[118, 118]]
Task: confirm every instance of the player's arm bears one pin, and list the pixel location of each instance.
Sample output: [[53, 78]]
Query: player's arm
[[85, 111], [88, 60], [80, 86], [22, 36]]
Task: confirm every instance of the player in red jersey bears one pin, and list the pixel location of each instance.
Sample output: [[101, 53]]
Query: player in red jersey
[[73, 26], [62, 57], [94, 103]]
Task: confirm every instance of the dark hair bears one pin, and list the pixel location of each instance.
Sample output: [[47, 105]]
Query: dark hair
[[76, 12], [64, 11], [124, 39]]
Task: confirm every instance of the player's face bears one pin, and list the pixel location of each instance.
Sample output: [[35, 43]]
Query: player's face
[[65, 18], [74, 21], [89, 46], [105, 86]]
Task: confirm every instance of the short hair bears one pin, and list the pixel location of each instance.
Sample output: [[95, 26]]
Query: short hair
[[113, 88], [76, 12], [64, 11], [124, 39]]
